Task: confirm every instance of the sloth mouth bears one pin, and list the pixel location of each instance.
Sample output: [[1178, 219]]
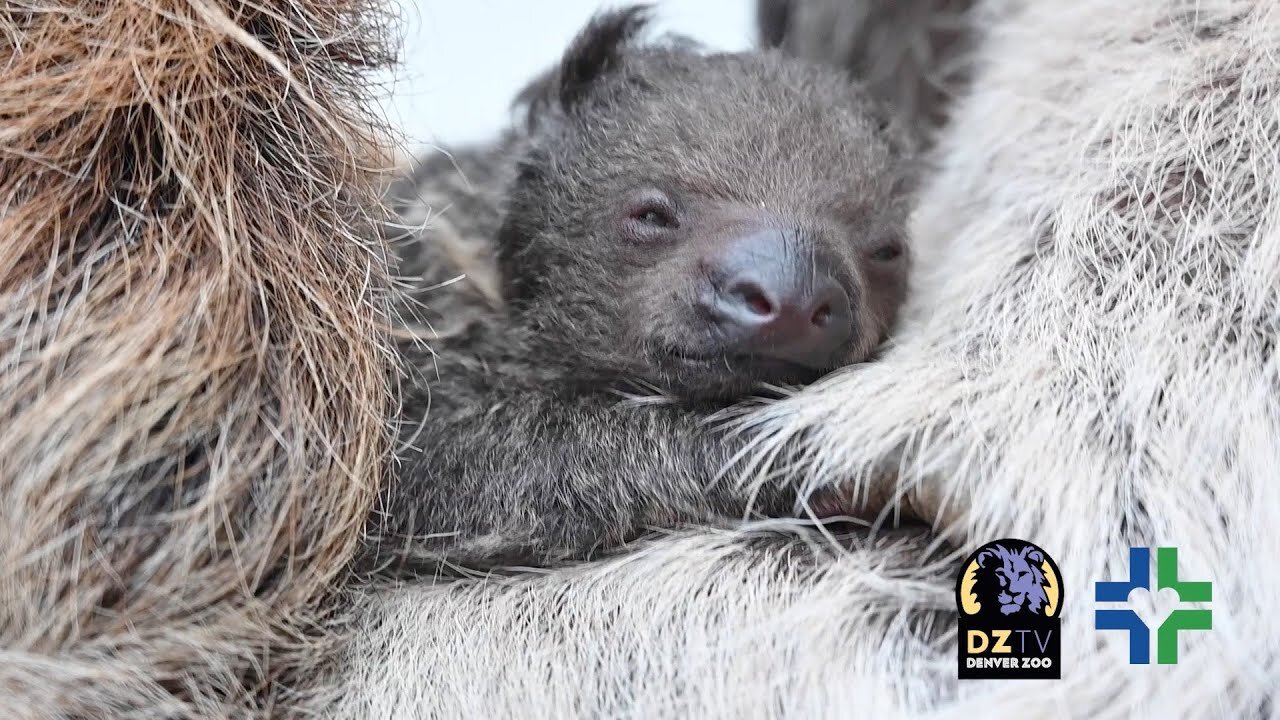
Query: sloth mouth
[[745, 366]]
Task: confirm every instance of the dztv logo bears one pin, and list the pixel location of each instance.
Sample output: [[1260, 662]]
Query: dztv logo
[[1009, 595]]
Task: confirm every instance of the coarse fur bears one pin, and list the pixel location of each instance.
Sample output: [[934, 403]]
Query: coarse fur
[[446, 213], [756, 623], [1088, 362], [912, 54], [631, 188], [194, 353]]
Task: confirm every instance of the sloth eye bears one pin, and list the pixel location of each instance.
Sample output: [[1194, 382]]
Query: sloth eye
[[887, 252], [656, 217], [650, 212]]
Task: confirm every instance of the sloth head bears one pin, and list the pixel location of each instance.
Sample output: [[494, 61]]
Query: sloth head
[[703, 222]]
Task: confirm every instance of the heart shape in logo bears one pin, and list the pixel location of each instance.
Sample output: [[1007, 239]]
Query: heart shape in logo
[[1152, 606]]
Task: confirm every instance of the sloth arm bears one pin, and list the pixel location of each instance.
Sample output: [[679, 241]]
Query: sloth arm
[[535, 478]]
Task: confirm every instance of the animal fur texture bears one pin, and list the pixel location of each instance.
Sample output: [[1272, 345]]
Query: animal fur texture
[[912, 54], [450, 285], [630, 259], [1088, 362], [194, 351]]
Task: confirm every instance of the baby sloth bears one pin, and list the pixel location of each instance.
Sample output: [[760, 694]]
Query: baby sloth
[[699, 224]]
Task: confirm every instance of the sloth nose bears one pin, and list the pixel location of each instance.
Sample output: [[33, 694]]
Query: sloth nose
[[778, 300]]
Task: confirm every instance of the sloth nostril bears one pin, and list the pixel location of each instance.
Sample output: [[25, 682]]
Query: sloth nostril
[[759, 304], [753, 299]]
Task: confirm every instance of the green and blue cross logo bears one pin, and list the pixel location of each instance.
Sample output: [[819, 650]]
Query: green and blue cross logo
[[1128, 620]]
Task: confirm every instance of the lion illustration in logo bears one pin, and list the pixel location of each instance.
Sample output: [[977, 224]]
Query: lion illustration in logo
[[1016, 579]]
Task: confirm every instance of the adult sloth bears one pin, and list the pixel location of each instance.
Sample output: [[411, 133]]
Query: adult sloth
[[1087, 363]]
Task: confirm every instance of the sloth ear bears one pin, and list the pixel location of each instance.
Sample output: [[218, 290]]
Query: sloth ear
[[598, 49], [594, 53]]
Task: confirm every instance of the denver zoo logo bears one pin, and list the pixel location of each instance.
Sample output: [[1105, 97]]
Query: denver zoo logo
[[1009, 594]]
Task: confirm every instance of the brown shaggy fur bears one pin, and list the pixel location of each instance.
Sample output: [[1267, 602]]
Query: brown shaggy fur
[[193, 355]]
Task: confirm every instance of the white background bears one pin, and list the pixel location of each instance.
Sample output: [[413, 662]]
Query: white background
[[464, 61]]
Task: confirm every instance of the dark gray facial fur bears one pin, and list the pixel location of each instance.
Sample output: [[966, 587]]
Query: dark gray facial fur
[[654, 174]]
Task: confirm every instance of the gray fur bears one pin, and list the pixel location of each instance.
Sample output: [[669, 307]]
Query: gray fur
[[912, 54], [570, 414], [1089, 364], [448, 209]]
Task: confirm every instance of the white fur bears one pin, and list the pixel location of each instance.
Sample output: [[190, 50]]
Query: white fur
[[1087, 363], [694, 626]]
